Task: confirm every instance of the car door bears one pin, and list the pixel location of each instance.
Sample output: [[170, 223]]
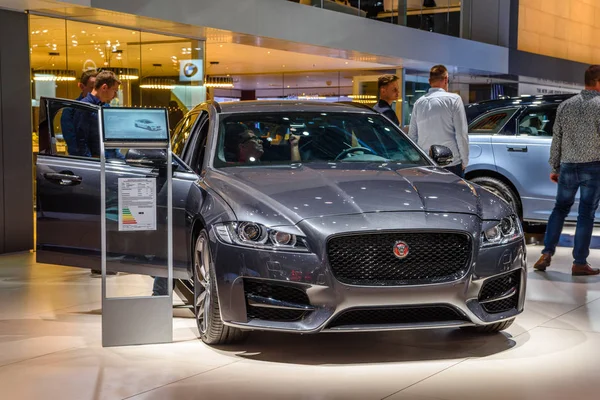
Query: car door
[[68, 202], [481, 132], [524, 157]]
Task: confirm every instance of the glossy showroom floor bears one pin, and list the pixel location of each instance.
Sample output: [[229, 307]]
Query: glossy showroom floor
[[50, 347]]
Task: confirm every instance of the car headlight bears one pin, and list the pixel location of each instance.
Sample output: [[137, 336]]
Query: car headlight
[[507, 230], [252, 234]]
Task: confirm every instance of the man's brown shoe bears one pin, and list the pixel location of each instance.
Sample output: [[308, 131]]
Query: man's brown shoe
[[543, 262], [584, 269]]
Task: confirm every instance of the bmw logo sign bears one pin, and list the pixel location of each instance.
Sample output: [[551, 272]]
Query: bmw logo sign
[[190, 69]]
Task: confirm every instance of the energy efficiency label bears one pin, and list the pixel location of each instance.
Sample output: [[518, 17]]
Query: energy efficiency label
[[137, 204]]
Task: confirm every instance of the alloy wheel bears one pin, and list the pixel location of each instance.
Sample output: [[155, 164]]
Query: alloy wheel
[[202, 298]]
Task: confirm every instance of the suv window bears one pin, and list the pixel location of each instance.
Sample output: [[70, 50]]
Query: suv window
[[182, 132], [491, 123], [537, 121]]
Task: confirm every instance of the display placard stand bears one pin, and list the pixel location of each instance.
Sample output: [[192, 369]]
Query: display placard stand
[[142, 319]]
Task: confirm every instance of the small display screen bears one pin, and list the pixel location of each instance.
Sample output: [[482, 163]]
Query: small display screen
[[133, 124]]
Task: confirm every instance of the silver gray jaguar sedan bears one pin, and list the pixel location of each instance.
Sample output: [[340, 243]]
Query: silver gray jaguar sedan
[[310, 217]]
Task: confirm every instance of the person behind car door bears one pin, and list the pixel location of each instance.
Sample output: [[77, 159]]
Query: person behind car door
[[388, 90], [105, 89], [575, 162], [439, 118], [86, 85]]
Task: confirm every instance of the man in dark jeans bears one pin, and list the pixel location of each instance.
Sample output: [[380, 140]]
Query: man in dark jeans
[[575, 161], [85, 123]]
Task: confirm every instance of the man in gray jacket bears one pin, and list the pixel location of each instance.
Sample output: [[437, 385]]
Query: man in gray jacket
[[575, 162], [439, 118]]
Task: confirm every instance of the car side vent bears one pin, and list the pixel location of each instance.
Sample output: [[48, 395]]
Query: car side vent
[[275, 302], [501, 293]]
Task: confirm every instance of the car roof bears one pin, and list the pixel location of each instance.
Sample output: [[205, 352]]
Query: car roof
[[474, 110], [250, 106], [548, 98]]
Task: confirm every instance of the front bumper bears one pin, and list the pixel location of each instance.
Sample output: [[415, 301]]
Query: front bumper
[[327, 301]]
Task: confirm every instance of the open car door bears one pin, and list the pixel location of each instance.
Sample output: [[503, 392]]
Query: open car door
[[68, 201]]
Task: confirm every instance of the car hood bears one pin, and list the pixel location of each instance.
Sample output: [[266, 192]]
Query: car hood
[[284, 195]]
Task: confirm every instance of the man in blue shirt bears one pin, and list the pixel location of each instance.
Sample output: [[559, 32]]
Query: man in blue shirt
[[389, 91], [87, 133], [86, 85]]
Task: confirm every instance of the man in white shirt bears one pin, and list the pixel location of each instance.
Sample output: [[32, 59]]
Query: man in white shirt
[[439, 118]]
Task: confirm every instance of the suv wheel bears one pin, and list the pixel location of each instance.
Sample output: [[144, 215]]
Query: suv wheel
[[206, 301], [502, 190]]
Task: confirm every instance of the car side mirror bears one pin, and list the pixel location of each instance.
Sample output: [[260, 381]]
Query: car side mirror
[[441, 154], [152, 158]]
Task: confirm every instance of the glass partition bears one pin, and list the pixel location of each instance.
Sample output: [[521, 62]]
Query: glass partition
[[154, 70], [327, 86]]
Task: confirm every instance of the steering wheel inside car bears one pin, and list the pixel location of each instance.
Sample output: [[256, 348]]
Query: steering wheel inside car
[[352, 150]]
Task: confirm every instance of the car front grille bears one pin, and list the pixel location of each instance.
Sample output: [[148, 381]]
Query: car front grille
[[275, 291], [496, 287], [397, 316], [368, 259]]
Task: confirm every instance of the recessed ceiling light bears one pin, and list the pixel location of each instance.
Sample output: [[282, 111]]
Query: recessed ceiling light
[[346, 62], [220, 45]]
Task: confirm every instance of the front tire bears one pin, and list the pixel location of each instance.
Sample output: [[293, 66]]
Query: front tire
[[206, 301]]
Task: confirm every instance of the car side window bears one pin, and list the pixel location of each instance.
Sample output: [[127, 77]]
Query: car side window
[[182, 132], [492, 122], [70, 128], [537, 121], [198, 146]]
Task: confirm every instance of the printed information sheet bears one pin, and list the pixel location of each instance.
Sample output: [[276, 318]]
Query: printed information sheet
[[137, 204]]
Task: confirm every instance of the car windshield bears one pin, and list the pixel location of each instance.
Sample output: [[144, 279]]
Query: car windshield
[[291, 137]]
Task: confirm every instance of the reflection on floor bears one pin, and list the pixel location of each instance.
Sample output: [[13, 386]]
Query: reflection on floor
[[50, 345]]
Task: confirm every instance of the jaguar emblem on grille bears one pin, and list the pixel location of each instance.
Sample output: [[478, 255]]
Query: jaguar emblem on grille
[[400, 249]]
